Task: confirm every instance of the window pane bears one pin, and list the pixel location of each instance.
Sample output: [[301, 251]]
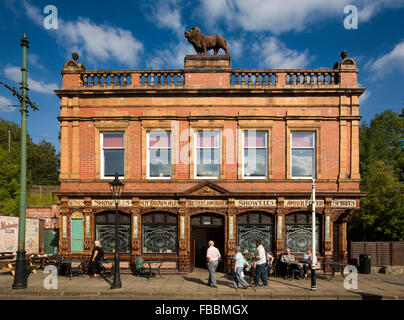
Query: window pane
[[160, 162], [298, 237], [207, 139], [208, 163], [254, 139], [302, 140], [113, 140], [106, 235], [159, 238], [208, 156], [248, 234], [208, 170], [255, 162], [302, 163], [114, 162], [159, 139]]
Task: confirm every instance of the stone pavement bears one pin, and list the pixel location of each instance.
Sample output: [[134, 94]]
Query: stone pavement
[[193, 287]]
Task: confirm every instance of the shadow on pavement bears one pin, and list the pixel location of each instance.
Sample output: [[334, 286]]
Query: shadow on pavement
[[368, 296]]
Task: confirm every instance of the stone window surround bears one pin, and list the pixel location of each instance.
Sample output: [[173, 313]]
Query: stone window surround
[[303, 126], [259, 125], [110, 126]]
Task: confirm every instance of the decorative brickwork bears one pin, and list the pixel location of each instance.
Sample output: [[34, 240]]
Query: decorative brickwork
[[208, 94]]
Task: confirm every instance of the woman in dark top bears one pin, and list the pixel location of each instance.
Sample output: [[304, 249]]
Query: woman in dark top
[[95, 261]]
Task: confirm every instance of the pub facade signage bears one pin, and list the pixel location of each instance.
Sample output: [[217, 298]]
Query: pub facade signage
[[255, 203], [271, 203]]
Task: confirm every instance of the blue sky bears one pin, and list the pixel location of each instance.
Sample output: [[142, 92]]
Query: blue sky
[[150, 34]]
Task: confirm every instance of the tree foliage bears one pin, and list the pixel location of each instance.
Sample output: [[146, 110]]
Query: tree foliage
[[381, 217], [42, 165]]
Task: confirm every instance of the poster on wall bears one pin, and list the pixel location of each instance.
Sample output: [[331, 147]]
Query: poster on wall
[[9, 234], [32, 236]]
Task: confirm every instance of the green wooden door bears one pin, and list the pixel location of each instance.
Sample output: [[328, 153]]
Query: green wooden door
[[51, 240], [77, 232]]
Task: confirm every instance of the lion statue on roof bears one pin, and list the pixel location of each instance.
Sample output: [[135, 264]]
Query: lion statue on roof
[[202, 43]]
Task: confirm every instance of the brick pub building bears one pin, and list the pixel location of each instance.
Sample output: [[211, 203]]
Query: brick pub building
[[208, 153]]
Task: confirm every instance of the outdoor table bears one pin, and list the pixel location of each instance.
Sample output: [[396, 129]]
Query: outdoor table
[[112, 262], [149, 262], [76, 269], [6, 255], [334, 265], [7, 265]]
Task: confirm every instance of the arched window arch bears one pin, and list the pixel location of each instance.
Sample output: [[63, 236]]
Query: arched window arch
[[252, 226], [159, 232], [298, 231]]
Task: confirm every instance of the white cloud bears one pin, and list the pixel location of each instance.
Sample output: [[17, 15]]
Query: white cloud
[[273, 53], [5, 105], [280, 16], [95, 42], [166, 14], [33, 59], [171, 58], [14, 73], [365, 96], [388, 62]]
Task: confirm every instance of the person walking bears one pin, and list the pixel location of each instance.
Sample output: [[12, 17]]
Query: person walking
[[97, 256], [212, 257], [260, 265], [238, 262]]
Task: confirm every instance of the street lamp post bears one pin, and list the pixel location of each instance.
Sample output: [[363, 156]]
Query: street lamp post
[[116, 188], [20, 278], [313, 238]]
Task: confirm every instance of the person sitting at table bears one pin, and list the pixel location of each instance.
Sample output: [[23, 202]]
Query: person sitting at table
[[97, 256], [288, 263], [307, 261]]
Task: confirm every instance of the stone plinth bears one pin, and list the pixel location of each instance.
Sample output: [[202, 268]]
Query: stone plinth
[[207, 62]]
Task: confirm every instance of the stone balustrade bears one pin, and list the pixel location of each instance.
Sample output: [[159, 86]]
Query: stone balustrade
[[239, 78], [127, 78], [315, 77]]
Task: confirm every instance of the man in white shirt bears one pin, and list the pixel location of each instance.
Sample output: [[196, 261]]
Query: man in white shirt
[[212, 257], [260, 265]]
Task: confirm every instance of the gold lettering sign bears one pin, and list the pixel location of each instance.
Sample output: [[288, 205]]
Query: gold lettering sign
[[343, 203], [302, 203], [75, 203], [159, 203], [111, 203], [206, 203], [255, 203]]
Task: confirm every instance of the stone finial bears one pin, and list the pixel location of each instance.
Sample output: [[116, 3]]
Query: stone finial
[[75, 56], [344, 54], [72, 66]]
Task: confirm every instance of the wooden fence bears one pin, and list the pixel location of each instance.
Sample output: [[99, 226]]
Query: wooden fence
[[43, 189], [381, 253]]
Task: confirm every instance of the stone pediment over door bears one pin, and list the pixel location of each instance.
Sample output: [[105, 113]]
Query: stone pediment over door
[[206, 188]]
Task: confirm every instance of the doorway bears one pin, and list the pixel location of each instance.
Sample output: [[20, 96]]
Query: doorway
[[206, 227]]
